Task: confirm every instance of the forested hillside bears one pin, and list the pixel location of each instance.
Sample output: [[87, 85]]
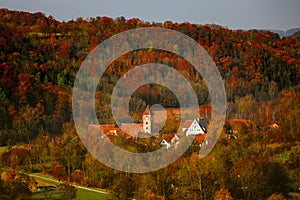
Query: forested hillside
[[39, 59]]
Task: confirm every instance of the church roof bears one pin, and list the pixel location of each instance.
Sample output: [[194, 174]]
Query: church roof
[[132, 129], [94, 129], [147, 111]]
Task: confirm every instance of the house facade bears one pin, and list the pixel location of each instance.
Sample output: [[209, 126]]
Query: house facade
[[195, 127], [170, 140]]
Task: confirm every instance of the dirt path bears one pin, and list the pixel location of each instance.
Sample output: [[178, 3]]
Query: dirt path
[[77, 186]]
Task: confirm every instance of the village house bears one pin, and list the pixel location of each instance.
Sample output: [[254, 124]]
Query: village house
[[235, 126], [273, 126], [195, 127], [200, 140], [169, 140], [191, 128]]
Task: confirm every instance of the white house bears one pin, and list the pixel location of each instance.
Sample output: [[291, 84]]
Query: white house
[[164, 143], [170, 140], [195, 127]]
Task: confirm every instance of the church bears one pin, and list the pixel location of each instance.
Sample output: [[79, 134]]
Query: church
[[128, 129], [135, 129], [147, 121]]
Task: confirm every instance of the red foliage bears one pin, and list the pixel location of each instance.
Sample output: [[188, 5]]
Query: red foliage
[[11, 110], [77, 176], [106, 20], [58, 171]]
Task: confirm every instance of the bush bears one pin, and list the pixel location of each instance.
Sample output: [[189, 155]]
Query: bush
[[67, 191], [277, 197]]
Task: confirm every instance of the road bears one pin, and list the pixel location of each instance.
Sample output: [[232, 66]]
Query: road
[[77, 186]]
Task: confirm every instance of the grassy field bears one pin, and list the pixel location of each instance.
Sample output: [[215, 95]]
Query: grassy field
[[47, 195], [82, 194], [3, 149], [85, 194]]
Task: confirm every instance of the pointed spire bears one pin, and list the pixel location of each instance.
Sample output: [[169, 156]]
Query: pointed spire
[[147, 111]]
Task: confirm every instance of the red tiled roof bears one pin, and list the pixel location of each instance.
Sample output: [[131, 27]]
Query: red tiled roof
[[94, 129], [107, 126], [187, 123], [132, 129], [199, 138], [106, 130], [167, 137]]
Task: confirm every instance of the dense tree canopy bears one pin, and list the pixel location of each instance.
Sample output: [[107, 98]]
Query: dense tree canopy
[[39, 59]]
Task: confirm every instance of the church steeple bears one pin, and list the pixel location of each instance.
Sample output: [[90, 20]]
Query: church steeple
[[147, 120], [147, 111]]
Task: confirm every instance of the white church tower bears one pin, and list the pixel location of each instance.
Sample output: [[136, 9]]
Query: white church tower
[[147, 120]]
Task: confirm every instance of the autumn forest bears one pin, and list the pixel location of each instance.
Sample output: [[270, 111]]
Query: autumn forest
[[39, 60]]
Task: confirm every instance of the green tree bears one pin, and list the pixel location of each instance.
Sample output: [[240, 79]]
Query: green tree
[[27, 123], [144, 185], [124, 187], [256, 177], [291, 122], [19, 188], [61, 79], [3, 112], [246, 107], [40, 151], [273, 90]]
